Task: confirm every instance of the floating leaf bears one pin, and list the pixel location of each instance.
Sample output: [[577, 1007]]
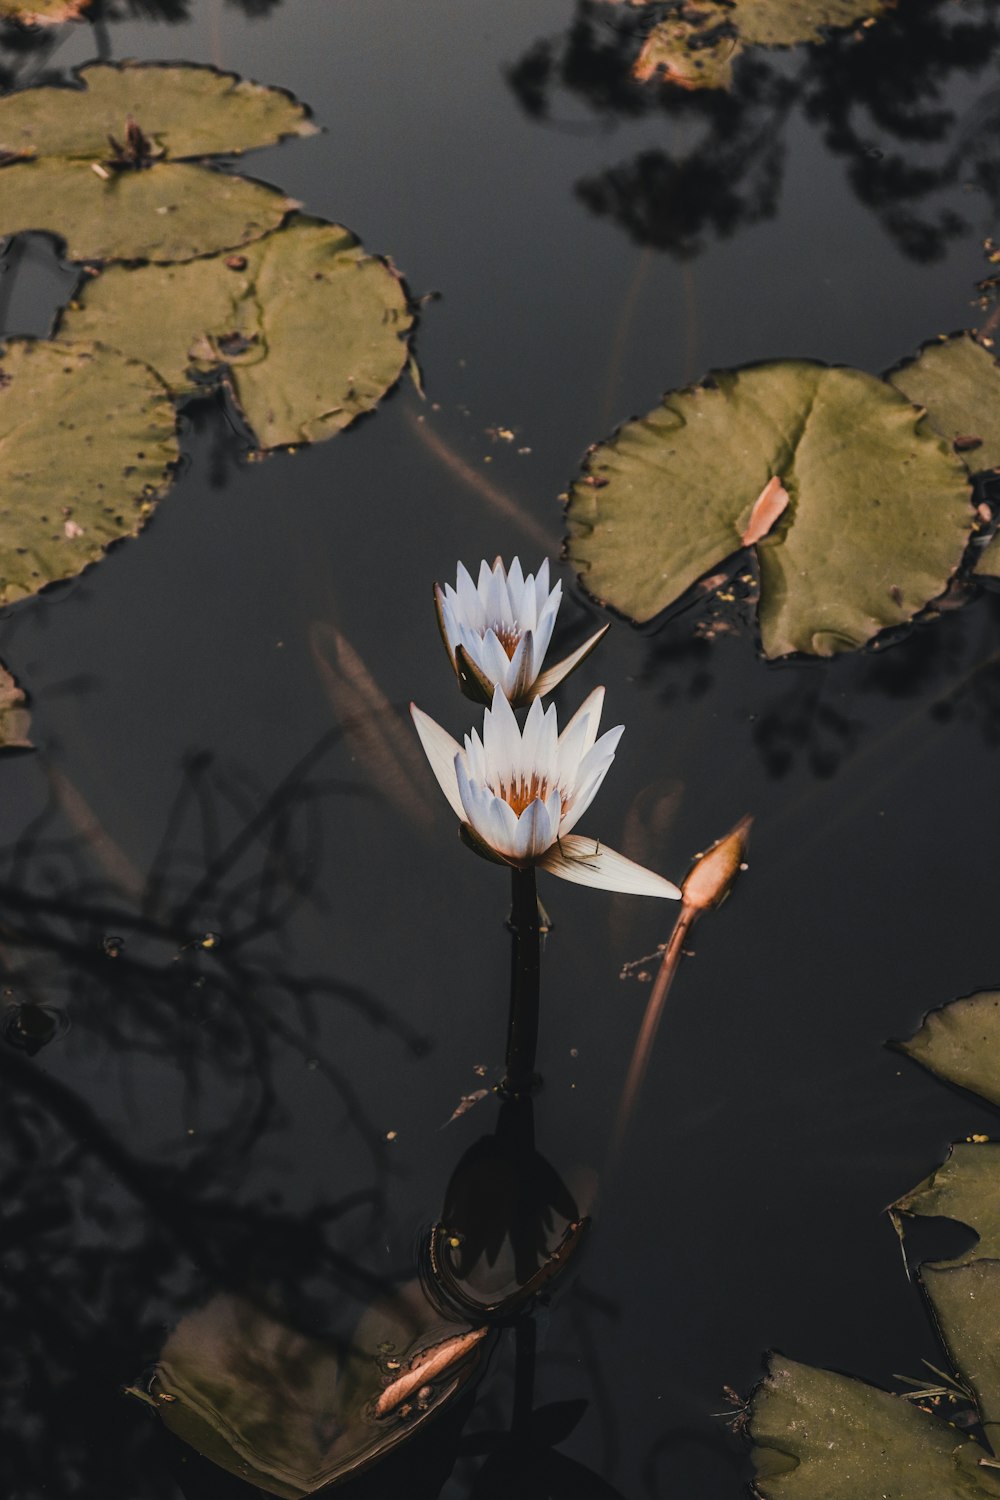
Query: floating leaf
[[41, 12], [15, 720], [966, 1188], [958, 381], [961, 1043], [291, 1413], [821, 1436], [105, 166], [695, 46], [87, 443], [878, 519], [311, 329], [988, 565], [185, 110], [172, 211]]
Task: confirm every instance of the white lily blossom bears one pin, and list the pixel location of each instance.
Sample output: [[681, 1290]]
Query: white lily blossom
[[518, 794], [498, 630]]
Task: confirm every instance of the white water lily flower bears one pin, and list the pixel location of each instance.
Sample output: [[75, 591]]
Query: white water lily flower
[[497, 632], [519, 793]]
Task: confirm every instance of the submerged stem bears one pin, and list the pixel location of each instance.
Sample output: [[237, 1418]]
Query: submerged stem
[[651, 1021], [525, 964]]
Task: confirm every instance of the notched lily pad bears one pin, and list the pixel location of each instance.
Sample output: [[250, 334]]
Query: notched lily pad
[[822, 1436], [965, 1188], [107, 166], [87, 444], [311, 330], [15, 718], [961, 1043], [957, 381], [695, 47], [294, 1414], [878, 518], [175, 211], [185, 111]]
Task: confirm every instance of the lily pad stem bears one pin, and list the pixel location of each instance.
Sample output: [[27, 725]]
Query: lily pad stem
[[525, 963]]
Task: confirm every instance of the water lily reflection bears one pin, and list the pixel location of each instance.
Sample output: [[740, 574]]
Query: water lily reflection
[[497, 632], [518, 794]]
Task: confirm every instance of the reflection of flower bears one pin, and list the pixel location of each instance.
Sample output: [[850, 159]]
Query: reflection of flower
[[518, 795], [497, 632]]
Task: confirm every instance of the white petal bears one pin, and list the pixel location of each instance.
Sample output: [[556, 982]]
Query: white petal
[[515, 581], [531, 737], [501, 739], [470, 610], [591, 709], [584, 861], [534, 831], [521, 672], [441, 750], [585, 792], [547, 619], [542, 585], [495, 662], [502, 831]]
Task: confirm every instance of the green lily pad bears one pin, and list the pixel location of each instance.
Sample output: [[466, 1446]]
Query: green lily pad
[[107, 168], [185, 110], [15, 719], [957, 380], [961, 1043], [312, 331], [988, 564], [966, 1188], [172, 211], [293, 1413], [695, 47], [821, 1436], [966, 1302], [87, 444], [41, 12], [878, 519]]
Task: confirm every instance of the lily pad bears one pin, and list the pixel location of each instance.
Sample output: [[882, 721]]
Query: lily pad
[[878, 519], [107, 166], [988, 564], [41, 12], [15, 719], [293, 1413], [966, 1188], [87, 444], [822, 1436], [311, 330], [961, 1043], [957, 380], [695, 47], [966, 1302], [173, 211], [184, 110]]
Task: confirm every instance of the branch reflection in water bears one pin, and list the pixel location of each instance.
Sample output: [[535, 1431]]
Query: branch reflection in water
[[875, 94], [109, 1235]]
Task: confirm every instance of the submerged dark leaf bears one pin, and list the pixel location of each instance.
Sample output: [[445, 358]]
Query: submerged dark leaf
[[293, 1414]]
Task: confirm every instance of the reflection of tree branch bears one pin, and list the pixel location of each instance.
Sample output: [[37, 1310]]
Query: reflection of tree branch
[[864, 92]]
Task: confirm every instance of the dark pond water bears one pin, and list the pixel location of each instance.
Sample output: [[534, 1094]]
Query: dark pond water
[[269, 1105]]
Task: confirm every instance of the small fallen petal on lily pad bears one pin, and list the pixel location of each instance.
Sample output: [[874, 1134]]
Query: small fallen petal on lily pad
[[957, 380], [878, 517], [87, 444], [172, 211], [312, 330], [293, 1413], [185, 110]]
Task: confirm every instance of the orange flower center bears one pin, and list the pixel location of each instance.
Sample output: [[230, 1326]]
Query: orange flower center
[[521, 793]]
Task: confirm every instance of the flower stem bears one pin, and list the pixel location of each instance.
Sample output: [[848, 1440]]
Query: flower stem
[[525, 963]]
